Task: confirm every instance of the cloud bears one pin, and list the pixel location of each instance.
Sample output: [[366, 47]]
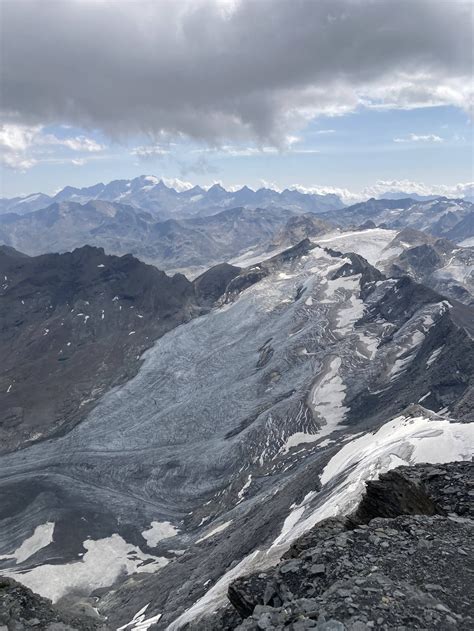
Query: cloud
[[17, 161], [417, 138], [382, 187], [199, 166], [79, 143], [220, 71], [149, 151], [323, 132], [347, 196], [247, 151], [236, 151], [408, 186], [17, 137], [24, 146]]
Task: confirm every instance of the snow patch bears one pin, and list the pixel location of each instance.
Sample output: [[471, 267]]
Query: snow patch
[[297, 439], [434, 356], [41, 537], [158, 531], [241, 493], [369, 243], [327, 396], [139, 623], [105, 560], [216, 530]]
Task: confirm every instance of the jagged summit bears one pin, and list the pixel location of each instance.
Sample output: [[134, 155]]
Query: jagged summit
[[152, 194]]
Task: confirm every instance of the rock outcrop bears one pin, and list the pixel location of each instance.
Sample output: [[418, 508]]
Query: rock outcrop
[[400, 561], [23, 610]]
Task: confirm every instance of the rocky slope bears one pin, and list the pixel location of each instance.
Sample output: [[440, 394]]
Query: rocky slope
[[438, 263], [22, 610], [400, 561], [75, 325]]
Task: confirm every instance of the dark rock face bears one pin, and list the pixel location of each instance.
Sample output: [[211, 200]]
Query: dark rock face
[[298, 250], [437, 263], [301, 227], [367, 225], [21, 610], [423, 258], [400, 561], [74, 325], [211, 285], [359, 265], [392, 495]]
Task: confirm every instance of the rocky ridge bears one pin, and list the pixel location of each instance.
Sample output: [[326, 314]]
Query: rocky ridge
[[400, 561], [23, 610]]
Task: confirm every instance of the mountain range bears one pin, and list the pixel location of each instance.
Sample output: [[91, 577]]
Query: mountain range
[[191, 235], [148, 193]]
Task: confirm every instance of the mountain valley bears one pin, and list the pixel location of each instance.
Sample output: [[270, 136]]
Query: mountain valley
[[242, 411]]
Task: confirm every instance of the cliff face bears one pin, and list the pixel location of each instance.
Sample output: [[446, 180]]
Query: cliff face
[[398, 562]]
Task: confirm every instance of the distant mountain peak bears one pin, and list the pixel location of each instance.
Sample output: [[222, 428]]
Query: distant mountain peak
[[151, 179], [217, 187]]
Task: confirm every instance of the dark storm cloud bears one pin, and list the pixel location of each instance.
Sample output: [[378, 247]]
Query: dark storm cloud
[[214, 70]]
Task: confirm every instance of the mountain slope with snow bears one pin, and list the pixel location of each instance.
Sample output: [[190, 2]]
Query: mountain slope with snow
[[440, 217], [73, 326], [222, 440]]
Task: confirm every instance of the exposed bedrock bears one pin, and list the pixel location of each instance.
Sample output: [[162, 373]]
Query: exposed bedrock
[[399, 561]]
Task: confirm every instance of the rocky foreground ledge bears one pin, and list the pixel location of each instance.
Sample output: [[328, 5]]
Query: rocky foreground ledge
[[402, 561], [22, 610]]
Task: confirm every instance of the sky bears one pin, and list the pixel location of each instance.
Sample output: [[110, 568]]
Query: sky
[[348, 96]]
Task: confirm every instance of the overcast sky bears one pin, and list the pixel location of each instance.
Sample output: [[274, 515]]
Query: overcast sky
[[319, 93]]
